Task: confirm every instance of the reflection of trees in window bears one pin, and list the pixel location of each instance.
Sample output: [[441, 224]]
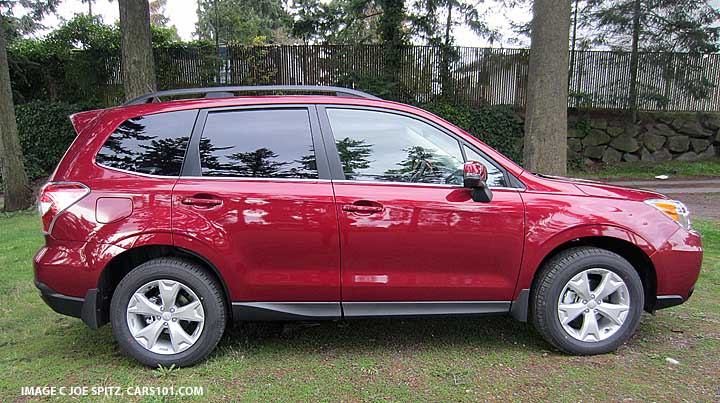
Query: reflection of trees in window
[[308, 164], [353, 155], [258, 163], [261, 163], [420, 166], [121, 148], [209, 161], [163, 157]]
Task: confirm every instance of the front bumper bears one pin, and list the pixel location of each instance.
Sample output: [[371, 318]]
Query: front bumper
[[677, 265], [86, 308]]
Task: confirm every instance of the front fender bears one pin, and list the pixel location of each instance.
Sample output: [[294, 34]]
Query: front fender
[[536, 250]]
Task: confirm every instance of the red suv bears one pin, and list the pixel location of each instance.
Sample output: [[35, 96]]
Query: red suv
[[170, 219]]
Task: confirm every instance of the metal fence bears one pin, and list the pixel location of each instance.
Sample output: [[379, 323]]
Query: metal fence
[[476, 76]]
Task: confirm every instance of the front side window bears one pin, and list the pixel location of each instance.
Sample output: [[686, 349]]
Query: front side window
[[150, 144], [386, 147], [269, 143], [496, 178]]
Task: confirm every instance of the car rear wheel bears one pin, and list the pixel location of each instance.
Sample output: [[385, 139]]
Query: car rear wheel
[[587, 301], [168, 311]]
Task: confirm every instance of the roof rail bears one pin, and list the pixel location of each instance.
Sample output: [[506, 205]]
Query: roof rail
[[213, 92]]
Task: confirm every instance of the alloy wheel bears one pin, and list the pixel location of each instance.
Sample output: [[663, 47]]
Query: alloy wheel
[[165, 316], [593, 305]]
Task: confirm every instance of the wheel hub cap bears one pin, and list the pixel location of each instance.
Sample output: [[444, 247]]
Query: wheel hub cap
[[165, 316], [593, 305]]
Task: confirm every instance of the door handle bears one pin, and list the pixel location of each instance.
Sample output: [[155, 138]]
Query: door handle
[[363, 207], [201, 202]]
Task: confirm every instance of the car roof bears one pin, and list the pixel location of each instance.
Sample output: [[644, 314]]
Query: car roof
[[204, 103]]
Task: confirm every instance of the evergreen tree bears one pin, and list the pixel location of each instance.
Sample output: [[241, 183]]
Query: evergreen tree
[[337, 21], [655, 26], [242, 21]]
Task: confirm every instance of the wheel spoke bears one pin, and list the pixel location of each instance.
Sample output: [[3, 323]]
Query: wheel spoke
[[168, 292], [139, 304], [614, 312], [589, 327], [581, 285], [150, 333], [570, 311], [192, 312], [178, 337], [608, 285]]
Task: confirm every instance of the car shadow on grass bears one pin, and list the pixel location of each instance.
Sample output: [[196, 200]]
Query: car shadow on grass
[[370, 335]]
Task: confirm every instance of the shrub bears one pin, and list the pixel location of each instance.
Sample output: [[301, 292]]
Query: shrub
[[45, 133], [498, 126]]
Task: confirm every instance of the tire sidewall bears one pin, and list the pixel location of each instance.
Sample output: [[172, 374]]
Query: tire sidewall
[[618, 266], [143, 274]]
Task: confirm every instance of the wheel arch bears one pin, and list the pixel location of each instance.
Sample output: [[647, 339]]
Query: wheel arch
[[629, 251], [120, 265]]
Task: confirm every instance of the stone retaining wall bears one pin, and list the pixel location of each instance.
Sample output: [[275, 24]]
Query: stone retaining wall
[[603, 136]]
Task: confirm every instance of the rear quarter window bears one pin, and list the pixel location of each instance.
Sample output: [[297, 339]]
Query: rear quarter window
[[150, 144]]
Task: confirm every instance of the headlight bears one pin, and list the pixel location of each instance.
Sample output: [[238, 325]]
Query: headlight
[[673, 209]]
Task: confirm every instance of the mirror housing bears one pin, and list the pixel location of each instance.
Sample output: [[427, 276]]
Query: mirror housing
[[474, 178]]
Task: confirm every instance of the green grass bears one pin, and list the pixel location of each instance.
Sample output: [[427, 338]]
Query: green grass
[[646, 170], [432, 360]]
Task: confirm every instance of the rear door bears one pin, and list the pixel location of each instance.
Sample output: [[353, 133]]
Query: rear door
[[255, 198], [412, 239]]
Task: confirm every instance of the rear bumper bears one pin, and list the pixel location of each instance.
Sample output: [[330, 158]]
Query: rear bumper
[[86, 308]]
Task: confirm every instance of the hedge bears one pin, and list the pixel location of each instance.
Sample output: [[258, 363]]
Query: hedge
[[498, 126], [45, 133]]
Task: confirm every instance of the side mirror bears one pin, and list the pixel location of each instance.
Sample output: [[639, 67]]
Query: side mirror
[[474, 177]]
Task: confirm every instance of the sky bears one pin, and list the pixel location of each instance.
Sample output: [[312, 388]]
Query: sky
[[182, 14]]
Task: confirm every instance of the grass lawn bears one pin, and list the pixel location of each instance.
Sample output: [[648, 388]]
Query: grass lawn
[[648, 170], [433, 360]]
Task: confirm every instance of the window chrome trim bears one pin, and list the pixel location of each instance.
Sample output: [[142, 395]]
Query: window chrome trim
[[439, 185], [254, 179], [99, 165]]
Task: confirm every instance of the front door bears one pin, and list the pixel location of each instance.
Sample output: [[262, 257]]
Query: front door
[[255, 197], [409, 231]]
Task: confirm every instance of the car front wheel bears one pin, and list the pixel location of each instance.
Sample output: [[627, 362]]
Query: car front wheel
[[587, 301], [168, 311]]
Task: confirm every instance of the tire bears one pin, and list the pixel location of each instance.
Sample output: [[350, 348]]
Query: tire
[[565, 273], [198, 306]]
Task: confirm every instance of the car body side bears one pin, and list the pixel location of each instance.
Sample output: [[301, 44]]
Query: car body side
[[83, 255]]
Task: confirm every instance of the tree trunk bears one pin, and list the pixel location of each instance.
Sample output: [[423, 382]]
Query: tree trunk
[[547, 102], [15, 181], [634, 61], [138, 67], [391, 24], [447, 90]]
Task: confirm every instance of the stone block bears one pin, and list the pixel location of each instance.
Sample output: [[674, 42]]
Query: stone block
[[630, 157], [611, 155], [596, 138], [652, 141], [625, 143], [661, 155], [699, 145], [678, 144], [688, 156], [595, 152]]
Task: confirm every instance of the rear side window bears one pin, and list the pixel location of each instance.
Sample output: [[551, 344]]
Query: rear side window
[[270, 143], [151, 144]]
